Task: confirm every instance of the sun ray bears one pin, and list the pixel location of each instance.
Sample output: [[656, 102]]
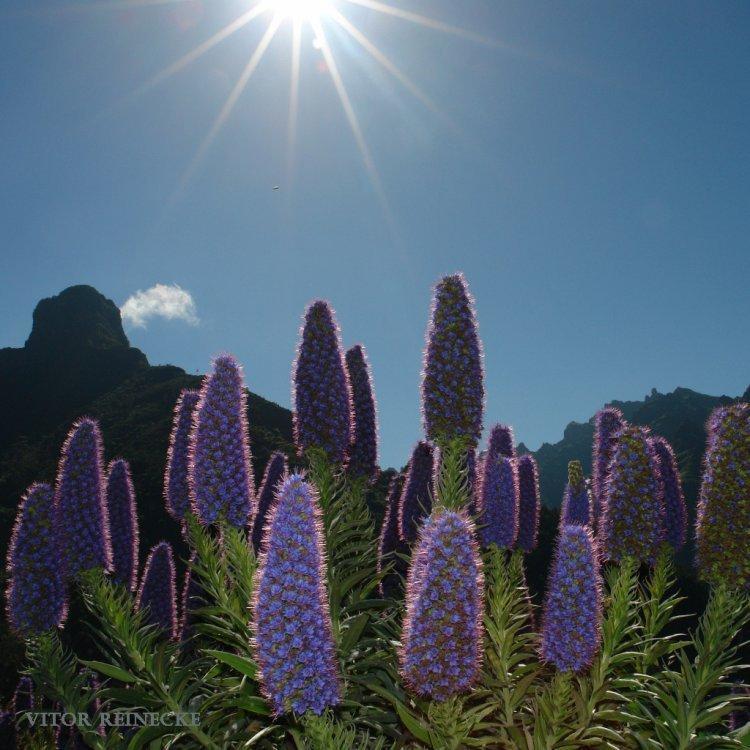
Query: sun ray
[[427, 21], [385, 61], [351, 116], [293, 99], [111, 5], [231, 101]]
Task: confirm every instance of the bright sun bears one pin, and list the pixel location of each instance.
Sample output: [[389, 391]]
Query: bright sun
[[300, 10]]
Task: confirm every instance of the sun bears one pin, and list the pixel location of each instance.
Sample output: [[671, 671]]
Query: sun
[[300, 10]]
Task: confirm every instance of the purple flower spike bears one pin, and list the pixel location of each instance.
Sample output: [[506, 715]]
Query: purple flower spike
[[416, 500], [499, 502], [176, 484], [453, 377], [501, 441], [221, 478], [23, 698], [362, 457], [321, 392], [390, 541], [442, 634], [276, 470], [528, 502], [157, 591], [123, 524], [675, 512], [632, 524], [193, 598], [80, 504], [571, 621], [293, 636], [722, 529], [36, 595], [608, 422], [577, 507]]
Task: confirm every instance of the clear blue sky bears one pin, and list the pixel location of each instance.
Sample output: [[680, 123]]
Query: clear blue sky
[[594, 189]]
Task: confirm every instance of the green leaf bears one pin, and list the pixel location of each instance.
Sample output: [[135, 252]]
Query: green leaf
[[412, 724], [110, 671], [245, 666]]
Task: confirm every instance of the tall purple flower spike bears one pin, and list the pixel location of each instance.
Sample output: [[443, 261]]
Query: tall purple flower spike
[[499, 502], [390, 543], [36, 595], [193, 598], [528, 502], [276, 470], [293, 639], [176, 482], [80, 505], [23, 698], [577, 506], [453, 376], [157, 590], [675, 511], [362, 455], [501, 441], [632, 524], [416, 499], [571, 621], [442, 634], [221, 477], [722, 530], [321, 391], [607, 423], [123, 524]]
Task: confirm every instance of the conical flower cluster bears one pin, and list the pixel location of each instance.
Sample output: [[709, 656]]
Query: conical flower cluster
[[36, 595], [416, 496], [276, 470], [176, 484], [82, 519], [293, 635], [577, 507], [390, 542], [499, 502], [501, 441], [571, 623], [321, 392], [675, 511], [442, 633], [723, 521], [528, 502], [453, 377], [362, 455], [221, 479], [608, 422], [157, 591], [632, 524], [123, 524]]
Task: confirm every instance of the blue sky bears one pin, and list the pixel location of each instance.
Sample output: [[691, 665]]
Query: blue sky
[[589, 174]]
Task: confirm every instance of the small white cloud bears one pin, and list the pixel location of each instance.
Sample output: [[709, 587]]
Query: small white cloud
[[161, 300]]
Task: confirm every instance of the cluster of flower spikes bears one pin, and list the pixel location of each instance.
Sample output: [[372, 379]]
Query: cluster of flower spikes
[[608, 423], [157, 591], [220, 473], [362, 454], [123, 524], [632, 524], [36, 596], [390, 544], [675, 511], [293, 640], [499, 501], [571, 620], [529, 503], [321, 392], [176, 481], [80, 504], [276, 470], [416, 496], [722, 527], [453, 376], [442, 631], [577, 505]]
